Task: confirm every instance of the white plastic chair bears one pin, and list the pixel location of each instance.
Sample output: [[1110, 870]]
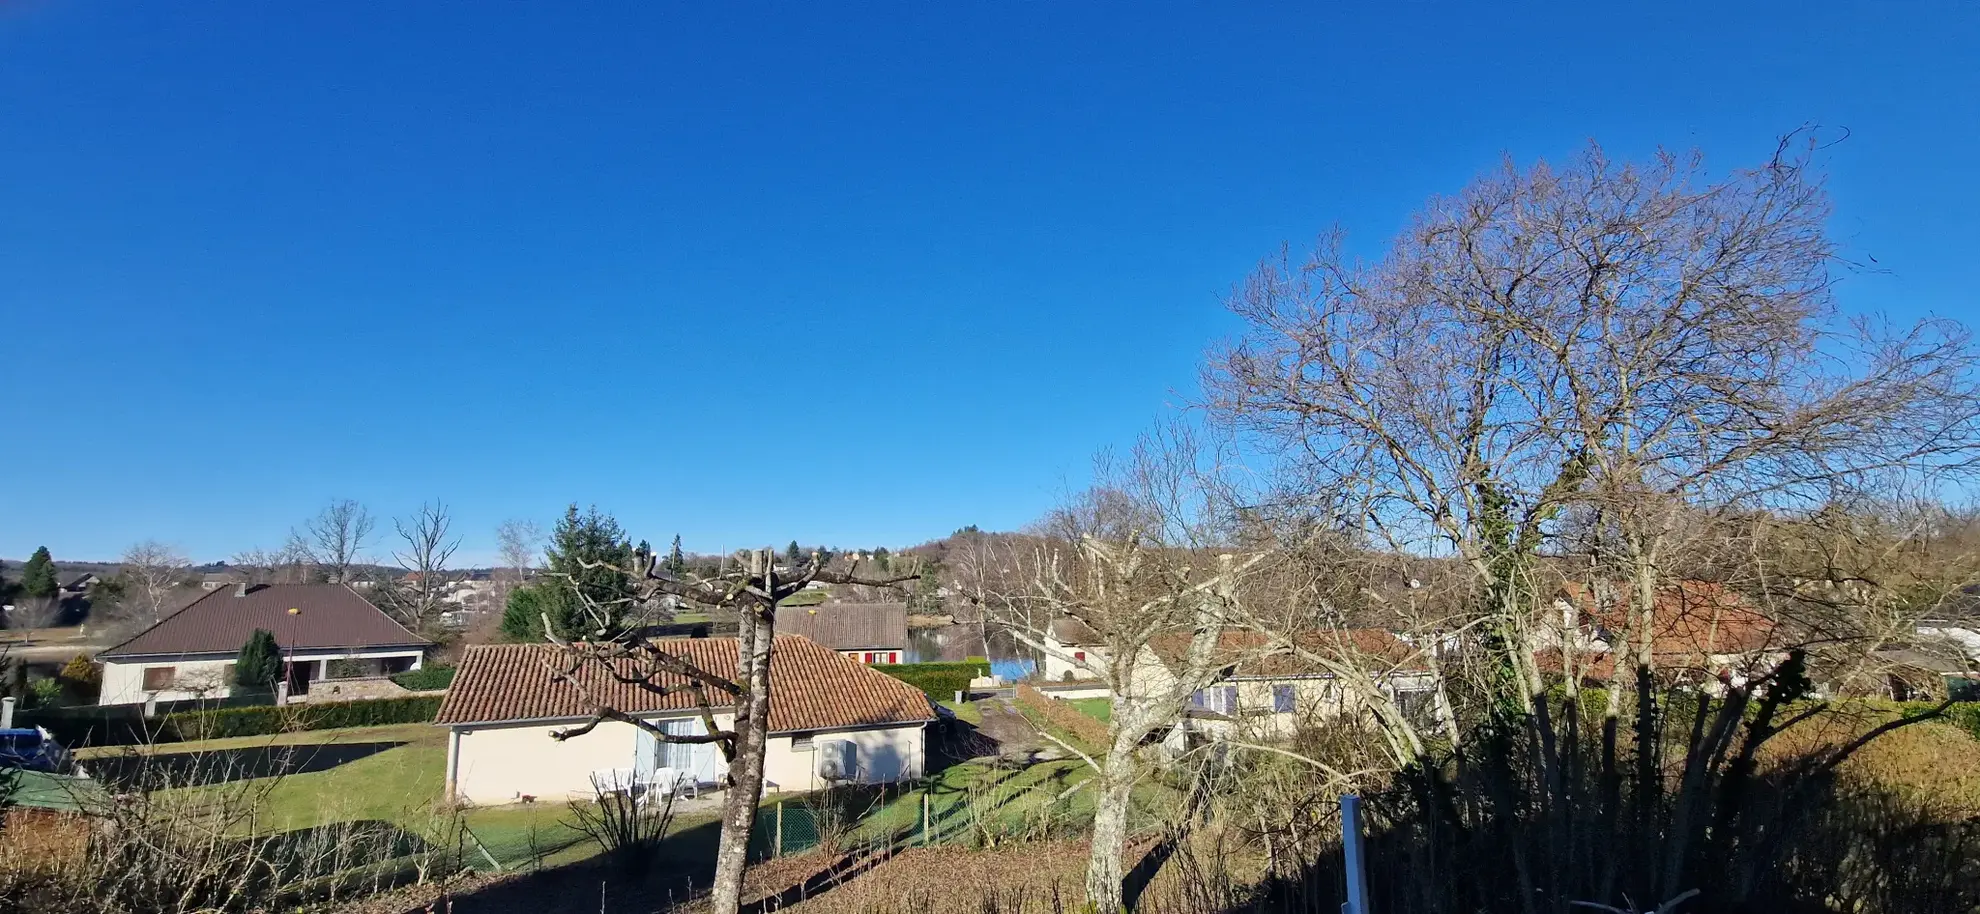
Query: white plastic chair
[[613, 780]]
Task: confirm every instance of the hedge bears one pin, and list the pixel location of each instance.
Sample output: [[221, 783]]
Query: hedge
[[1063, 715], [125, 725], [941, 681], [426, 679]]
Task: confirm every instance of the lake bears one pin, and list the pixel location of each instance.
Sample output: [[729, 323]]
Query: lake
[[1009, 660]]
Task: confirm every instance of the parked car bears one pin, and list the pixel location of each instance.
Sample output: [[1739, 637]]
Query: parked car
[[32, 749]]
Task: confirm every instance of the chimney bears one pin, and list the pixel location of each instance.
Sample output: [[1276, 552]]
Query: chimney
[[240, 589]]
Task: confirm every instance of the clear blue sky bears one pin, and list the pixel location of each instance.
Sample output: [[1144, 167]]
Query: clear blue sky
[[850, 273]]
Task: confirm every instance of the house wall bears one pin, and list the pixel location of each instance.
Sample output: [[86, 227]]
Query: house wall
[[886, 754], [1055, 669], [498, 764], [204, 676]]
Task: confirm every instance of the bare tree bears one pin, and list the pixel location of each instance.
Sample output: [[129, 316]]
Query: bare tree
[[335, 538], [35, 613], [1144, 566], [151, 571], [1637, 341], [752, 589], [416, 598], [1617, 374]]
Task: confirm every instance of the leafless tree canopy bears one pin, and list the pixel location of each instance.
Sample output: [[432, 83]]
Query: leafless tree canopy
[[427, 546], [335, 538], [151, 570]]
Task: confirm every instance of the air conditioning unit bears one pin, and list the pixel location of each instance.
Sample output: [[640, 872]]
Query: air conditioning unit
[[838, 760]]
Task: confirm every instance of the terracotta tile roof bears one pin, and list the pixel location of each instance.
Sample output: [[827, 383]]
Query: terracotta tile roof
[[302, 616], [1248, 651], [811, 687], [1696, 627], [848, 626], [1689, 618]]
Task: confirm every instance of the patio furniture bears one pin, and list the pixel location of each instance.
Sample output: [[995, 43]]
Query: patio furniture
[[614, 780]]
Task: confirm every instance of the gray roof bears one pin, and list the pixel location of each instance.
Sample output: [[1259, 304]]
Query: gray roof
[[848, 626]]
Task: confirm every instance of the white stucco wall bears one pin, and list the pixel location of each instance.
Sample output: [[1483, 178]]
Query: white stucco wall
[[205, 677], [885, 755], [499, 764], [1055, 665]]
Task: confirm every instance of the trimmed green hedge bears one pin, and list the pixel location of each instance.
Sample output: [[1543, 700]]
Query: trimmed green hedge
[[125, 725], [426, 679], [940, 681]]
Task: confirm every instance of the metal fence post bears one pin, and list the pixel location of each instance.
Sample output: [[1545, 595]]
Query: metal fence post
[[1351, 853], [926, 838], [777, 849]]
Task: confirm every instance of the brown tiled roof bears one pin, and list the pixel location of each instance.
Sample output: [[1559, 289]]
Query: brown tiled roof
[[848, 626], [324, 617], [811, 687], [1692, 624], [1689, 618], [1252, 654]]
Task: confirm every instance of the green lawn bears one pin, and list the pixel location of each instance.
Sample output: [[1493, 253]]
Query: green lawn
[[1100, 709], [966, 711]]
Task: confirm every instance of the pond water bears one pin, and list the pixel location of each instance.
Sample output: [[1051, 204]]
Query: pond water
[[1009, 660]]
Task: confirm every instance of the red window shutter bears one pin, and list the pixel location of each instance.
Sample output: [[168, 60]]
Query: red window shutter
[[869, 656], [1079, 655]]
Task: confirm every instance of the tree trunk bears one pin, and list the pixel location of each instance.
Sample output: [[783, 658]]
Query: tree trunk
[[753, 639], [1103, 865]]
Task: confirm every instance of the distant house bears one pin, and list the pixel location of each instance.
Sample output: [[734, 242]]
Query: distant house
[[1069, 645], [214, 580], [77, 583], [1701, 633], [325, 631], [504, 703], [1269, 691], [866, 632]]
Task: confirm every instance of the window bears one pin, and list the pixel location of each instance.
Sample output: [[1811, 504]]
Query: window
[[1230, 700], [801, 742], [227, 676], [159, 678], [1196, 699], [1282, 699]]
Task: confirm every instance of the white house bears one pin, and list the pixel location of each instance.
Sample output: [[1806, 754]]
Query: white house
[[1269, 693], [505, 702], [1070, 645], [325, 632]]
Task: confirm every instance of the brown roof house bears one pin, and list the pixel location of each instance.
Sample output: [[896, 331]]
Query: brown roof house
[[866, 632], [831, 718], [1702, 633], [326, 632]]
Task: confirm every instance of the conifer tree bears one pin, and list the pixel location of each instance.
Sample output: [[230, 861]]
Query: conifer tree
[[38, 575], [260, 662]]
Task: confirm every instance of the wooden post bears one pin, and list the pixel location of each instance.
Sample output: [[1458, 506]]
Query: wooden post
[[778, 849]]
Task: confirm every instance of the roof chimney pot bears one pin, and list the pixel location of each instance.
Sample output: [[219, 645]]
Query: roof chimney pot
[[240, 589]]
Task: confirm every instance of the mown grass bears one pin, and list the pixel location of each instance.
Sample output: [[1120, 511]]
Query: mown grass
[[1100, 709]]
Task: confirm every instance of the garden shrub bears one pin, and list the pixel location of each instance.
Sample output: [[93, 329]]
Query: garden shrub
[[940, 681], [125, 725], [426, 679], [1063, 715]]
